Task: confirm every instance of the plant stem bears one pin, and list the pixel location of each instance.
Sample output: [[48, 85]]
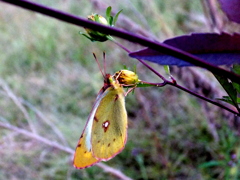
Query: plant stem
[[164, 48], [161, 47], [143, 62], [173, 83], [204, 98]]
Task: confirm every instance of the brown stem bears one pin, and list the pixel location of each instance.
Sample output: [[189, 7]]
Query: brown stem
[[160, 47], [173, 83]]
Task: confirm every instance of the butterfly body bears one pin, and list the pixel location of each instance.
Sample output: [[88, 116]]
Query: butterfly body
[[105, 133]]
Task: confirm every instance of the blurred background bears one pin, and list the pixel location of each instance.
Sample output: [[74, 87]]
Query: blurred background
[[49, 81]]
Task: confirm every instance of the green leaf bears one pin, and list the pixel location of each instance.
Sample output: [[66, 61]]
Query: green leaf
[[236, 69], [91, 39], [211, 164], [238, 100], [236, 86], [167, 70], [229, 88], [108, 12], [135, 69], [226, 99], [110, 38], [125, 67], [110, 21], [116, 17]]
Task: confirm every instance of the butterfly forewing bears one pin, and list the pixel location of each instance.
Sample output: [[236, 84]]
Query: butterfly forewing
[[109, 132]]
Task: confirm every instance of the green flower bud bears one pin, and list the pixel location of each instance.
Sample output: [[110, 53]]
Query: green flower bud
[[109, 21], [95, 35]]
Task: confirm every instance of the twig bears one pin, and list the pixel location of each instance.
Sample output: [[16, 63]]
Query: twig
[[21, 101], [45, 120], [204, 98], [113, 171], [161, 47], [12, 96], [197, 81], [164, 48], [173, 83], [37, 137], [66, 149], [144, 63], [213, 11]]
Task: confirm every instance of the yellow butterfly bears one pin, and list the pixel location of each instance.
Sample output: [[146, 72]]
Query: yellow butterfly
[[105, 132]]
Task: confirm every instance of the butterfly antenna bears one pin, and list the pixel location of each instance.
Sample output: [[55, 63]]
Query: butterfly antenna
[[104, 62], [98, 64]]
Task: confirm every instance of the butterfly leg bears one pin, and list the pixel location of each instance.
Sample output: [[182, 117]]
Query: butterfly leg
[[129, 90]]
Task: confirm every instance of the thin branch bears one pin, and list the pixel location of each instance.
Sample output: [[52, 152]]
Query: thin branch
[[56, 145], [213, 12], [12, 96], [37, 137], [133, 38], [20, 101], [113, 171], [192, 93], [204, 98], [45, 120], [173, 83], [143, 62], [161, 47]]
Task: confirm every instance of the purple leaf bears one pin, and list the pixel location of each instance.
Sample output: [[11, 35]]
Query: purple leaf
[[216, 49], [231, 8]]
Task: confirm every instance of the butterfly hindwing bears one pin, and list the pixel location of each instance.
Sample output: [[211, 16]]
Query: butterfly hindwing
[[83, 157]]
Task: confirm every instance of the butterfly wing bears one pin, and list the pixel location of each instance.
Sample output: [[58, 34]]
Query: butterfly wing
[[109, 131], [105, 133], [83, 157]]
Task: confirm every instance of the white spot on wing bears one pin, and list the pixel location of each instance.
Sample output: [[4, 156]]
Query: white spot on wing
[[106, 124]]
